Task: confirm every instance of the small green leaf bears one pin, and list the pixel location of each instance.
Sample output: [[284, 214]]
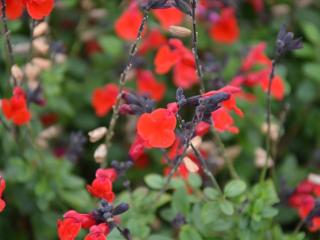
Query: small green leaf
[[194, 180], [269, 212], [154, 181], [189, 233], [211, 193], [234, 188], [226, 207]]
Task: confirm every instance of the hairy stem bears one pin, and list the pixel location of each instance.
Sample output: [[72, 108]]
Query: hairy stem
[[122, 82], [6, 34], [195, 46]]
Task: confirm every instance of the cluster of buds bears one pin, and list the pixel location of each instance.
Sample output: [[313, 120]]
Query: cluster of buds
[[101, 152], [136, 104]]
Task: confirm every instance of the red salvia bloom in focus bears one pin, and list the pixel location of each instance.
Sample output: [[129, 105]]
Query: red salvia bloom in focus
[[98, 232], [2, 188], [168, 17], [128, 24], [37, 9], [147, 84], [157, 128], [15, 108], [104, 98], [101, 186], [225, 29], [175, 55]]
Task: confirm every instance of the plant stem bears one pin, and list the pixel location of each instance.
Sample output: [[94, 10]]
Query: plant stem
[[222, 152], [6, 34], [195, 47], [122, 82], [206, 169], [268, 142]]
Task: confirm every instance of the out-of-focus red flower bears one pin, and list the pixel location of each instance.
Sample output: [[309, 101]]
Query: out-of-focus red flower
[[147, 84], [101, 186], [92, 47], [15, 108], [257, 5], [48, 119], [251, 77], [128, 23], [98, 232], [157, 128], [168, 17], [225, 29], [142, 162], [304, 200], [2, 188], [153, 40], [37, 9], [175, 55], [104, 98]]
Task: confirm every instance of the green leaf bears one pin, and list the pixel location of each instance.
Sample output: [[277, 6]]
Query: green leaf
[[311, 31], [189, 233], [312, 70], [269, 212], [154, 181], [226, 207], [180, 201], [210, 212], [195, 180], [211, 193], [234, 188], [159, 237]]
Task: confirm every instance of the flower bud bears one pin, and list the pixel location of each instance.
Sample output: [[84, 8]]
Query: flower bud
[[101, 153], [96, 134], [41, 45], [261, 157], [190, 165], [121, 208], [17, 73], [41, 29], [314, 178], [179, 31], [42, 63]]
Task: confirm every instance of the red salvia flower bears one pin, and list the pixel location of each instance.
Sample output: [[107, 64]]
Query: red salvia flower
[[101, 186], [15, 108], [157, 128], [137, 148], [104, 98], [225, 29], [257, 5], [98, 232], [168, 17], [175, 55], [128, 24], [37, 9], [2, 188], [68, 228], [147, 84]]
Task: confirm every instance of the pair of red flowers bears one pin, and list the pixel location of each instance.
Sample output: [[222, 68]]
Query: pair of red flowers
[[72, 222], [2, 188], [304, 200], [37, 9], [15, 108]]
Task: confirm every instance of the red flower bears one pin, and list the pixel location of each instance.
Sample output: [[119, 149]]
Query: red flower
[[315, 224], [202, 128], [2, 188], [157, 128], [68, 228], [128, 24], [277, 87], [221, 118], [225, 29], [257, 5], [153, 40], [15, 108], [137, 148], [101, 186], [98, 232], [176, 55], [104, 98], [168, 17], [92, 47], [37, 9], [256, 56]]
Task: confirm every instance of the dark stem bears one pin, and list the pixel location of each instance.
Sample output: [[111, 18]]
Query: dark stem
[[206, 169], [122, 82], [195, 46], [6, 34], [268, 110]]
